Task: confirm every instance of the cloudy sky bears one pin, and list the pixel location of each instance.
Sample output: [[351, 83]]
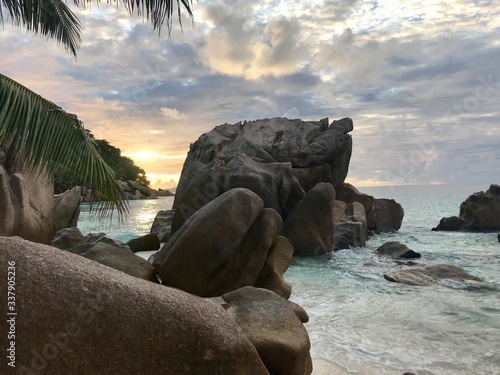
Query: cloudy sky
[[420, 79]]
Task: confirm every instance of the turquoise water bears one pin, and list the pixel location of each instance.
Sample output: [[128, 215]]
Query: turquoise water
[[363, 324]]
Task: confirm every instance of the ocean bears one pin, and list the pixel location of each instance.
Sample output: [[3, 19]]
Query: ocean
[[362, 324]]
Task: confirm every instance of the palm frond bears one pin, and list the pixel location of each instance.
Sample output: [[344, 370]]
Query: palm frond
[[44, 137], [158, 12], [50, 18]]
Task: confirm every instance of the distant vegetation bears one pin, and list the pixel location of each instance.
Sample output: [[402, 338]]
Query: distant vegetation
[[124, 168]]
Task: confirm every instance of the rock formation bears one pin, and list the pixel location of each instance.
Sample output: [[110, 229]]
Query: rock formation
[[382, 215], [309, 226], [350, 224], [224, 246], [395, 249], [162, 224], [479, 212], [278, 159], [81, 317], [429, 275], [272, 322]]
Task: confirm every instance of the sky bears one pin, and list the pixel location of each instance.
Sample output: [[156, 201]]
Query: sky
[[420, 79]]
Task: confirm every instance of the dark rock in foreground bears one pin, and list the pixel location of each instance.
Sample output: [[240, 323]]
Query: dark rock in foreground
[[270, 321], [429, 275], [395, 249], [79, 317], [479, 212]]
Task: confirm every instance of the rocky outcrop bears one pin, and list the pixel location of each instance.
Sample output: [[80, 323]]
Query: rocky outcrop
[[278, 159], [222, 247], [275, 327], [389, 215], [121, 259], [454, 223], [429, 275], [309, 227], [68, 238], [26, 202], [162, 224], [479, 212], [93, 238], [145, 243], [395, 249], [90, 319], [349, 225], [382, 215]]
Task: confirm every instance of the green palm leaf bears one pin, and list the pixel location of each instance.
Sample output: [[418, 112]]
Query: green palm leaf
[[53, 18], [41, 135]]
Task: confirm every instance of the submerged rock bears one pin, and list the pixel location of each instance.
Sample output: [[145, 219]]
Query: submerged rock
[[90, 319], [429, 275], [395, 249]]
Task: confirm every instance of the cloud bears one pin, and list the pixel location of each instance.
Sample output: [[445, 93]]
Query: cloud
[[419, 78]]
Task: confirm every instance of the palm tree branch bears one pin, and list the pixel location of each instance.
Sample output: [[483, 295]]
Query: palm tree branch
[[50, 18], [44, 137]]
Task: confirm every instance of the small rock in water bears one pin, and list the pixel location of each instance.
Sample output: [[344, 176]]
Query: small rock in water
[[429, 275], [498, 237], [395, 249]]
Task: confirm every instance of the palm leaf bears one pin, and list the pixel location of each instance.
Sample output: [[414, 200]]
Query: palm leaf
[[50, 18], [41, 135], [53, 18]]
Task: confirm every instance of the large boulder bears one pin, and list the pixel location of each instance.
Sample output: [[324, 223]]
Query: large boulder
[[162, 224], [67, 208], [429, 275], [382, 215], [273, 182], [395, 249], [309, 227], [121, 259], [222, 247], [349, 225], [26, 202], [79, 317], [389, 215], [275, 326], [278, 159], [483, 209], [479, 212], [453, 223]]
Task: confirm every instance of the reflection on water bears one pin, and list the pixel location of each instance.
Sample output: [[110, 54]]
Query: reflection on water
[[137, 223]]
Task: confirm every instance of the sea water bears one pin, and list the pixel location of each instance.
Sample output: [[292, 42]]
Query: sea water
[[361, 323]]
